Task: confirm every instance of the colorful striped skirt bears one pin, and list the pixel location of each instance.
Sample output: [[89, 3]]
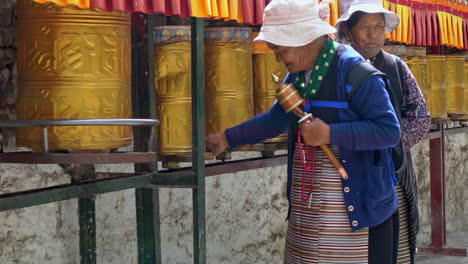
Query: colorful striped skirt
[[404, 254], [318, 228]]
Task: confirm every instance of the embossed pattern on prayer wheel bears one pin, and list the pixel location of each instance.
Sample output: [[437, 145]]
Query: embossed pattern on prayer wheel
[[455, 84], [465, 109], [437, 91], [73, 64], [173, 83], [228, 74], [418, 67], [264, 89]]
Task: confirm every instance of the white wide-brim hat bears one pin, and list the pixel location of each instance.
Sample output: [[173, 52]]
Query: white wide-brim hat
[[349, 7], [292, 23]]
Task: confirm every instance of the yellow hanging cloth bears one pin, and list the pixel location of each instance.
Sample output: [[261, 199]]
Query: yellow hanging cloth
[[459, 32], [214, 8], [443, 27], [201, 8], [223, 9], [386, 5], [334, 13], [79, 3]]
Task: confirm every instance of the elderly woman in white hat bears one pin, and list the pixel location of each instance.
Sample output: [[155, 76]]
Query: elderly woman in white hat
[[332, 219], [363, 24]]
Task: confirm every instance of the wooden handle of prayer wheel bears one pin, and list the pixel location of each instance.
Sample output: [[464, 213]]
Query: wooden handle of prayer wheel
[[306, 117], [336, 163]]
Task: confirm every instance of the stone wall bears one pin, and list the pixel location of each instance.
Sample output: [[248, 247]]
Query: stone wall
[[245, 211]]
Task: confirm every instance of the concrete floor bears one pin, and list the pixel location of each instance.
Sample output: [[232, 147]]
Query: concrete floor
[[454, 240]]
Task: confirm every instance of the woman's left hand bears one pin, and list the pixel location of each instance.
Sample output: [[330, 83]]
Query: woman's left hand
[[315, 132]]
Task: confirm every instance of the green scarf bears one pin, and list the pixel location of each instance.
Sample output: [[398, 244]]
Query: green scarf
[[310, 90]]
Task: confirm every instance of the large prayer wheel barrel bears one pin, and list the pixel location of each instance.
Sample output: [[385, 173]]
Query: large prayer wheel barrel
[[418, 66], [73, 64], [228, 75], [173, 83], [264, 89], [455, 84], [437, 86], [465, 109]]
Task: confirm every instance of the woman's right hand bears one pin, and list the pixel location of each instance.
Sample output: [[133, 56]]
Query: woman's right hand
[[216, 143]]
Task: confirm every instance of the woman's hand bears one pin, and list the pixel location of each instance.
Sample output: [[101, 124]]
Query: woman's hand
[[216, 143], [315, 132]]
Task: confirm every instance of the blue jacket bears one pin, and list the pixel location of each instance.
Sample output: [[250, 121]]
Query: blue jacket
[[364, 135]]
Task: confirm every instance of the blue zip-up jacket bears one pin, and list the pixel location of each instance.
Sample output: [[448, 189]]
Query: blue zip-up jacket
[[364, 135]]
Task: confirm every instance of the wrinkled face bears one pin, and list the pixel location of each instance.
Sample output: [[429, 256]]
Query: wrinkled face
[[297, 59], [367, 36]]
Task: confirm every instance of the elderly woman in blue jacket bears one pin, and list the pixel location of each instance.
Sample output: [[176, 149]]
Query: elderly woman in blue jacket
[[331, 219]]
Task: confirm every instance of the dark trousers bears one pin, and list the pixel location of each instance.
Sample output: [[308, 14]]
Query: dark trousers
[[383, 241]]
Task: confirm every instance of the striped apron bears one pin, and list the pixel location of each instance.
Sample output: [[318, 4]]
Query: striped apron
[[404, 254], [320, 233]]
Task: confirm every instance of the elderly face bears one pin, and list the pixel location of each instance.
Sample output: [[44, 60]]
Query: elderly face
[[367, 36], [298, 59]]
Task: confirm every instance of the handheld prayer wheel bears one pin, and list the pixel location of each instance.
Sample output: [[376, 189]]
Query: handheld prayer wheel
[[455, 84], [291, 101], [73, 64], [418, 66], [173, 84], [437, 86], [264, 89], [228, 75]]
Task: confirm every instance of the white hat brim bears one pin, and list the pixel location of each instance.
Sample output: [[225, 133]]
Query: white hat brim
[[295, 34], [391, 19]]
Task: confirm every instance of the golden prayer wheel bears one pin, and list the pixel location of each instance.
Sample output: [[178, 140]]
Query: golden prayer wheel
[[418, 66], [465, 109], [228, 74], [437, 86], [264, 89], [173, 83], [73, 64], [455, 84]]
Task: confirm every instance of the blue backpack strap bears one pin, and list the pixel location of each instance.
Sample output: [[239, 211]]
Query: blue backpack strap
[[331, 104]]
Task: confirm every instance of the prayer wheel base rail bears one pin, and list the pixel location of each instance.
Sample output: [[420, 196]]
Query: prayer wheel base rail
[[266, 149], [459, 117], [440, 120]]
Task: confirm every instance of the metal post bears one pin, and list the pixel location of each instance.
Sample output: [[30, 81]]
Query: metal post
[[147, 199], [198, 137], [86, 213], [438, 225]]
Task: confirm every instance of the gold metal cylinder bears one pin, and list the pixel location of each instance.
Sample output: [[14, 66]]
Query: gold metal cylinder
[[264, 89], [228, 74], [437, 91], [73, 64], [173, 83], [455, 84], [418, 66], [465, 109]]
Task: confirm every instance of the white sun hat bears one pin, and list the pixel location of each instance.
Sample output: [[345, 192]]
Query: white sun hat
[[349, 7], [293, 23]]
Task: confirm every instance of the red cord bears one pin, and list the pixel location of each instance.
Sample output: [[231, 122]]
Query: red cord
[[308, 164]]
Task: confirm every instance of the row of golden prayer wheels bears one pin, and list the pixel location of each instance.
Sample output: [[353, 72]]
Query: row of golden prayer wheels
[[75, 64]]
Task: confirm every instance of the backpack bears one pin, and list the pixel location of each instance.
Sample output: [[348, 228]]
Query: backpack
[[360, 73]]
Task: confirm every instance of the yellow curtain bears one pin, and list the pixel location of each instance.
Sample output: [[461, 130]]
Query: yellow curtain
[[201, 8]]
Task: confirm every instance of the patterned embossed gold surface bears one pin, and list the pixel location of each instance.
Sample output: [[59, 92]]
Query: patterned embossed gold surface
[[72, 64], [455, 84], [436, 68], [264, 89], [418, 67], [465, 109], [228, 74], [173, 84]]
